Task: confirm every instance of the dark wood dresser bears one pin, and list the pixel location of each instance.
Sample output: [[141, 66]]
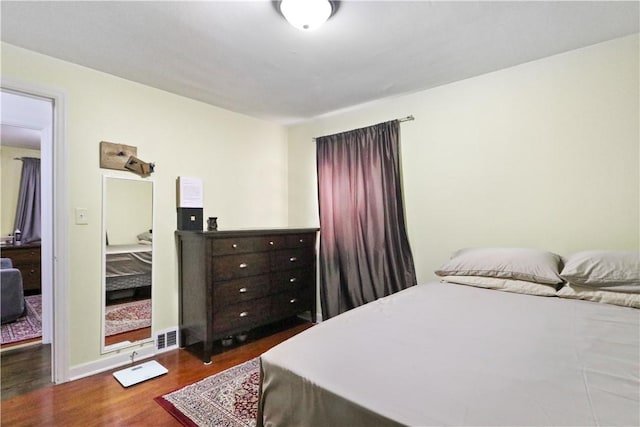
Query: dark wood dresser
[[26, 258], [234, 281]]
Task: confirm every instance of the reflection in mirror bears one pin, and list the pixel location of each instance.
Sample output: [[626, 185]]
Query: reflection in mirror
[[127, 209]]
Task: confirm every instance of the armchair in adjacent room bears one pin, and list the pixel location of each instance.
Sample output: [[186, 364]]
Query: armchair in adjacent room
[[11, 293]]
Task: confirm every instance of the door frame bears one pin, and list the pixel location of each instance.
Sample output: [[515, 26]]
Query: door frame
[[56, 262]]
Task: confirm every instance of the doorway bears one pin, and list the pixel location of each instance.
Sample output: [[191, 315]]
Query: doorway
[[31, 109], [26, 135]]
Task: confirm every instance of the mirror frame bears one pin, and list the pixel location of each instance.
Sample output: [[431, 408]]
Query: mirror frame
[[105, 349]]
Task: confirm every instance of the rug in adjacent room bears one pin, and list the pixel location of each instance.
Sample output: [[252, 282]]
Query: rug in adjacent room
[[26, 327], [229, 398], [128, 316]]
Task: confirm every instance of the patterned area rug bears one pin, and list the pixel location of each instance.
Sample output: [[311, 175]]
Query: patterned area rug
[[27, 327], [127, 317], [227, 399]]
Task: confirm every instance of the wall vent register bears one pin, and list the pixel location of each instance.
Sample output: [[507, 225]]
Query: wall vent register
[[167, 340]]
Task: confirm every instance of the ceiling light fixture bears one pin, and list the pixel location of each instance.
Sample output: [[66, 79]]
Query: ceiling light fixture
[[306, 14]]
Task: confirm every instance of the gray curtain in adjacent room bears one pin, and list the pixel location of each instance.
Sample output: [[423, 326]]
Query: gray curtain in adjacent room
[[28, 210], [364, 249]]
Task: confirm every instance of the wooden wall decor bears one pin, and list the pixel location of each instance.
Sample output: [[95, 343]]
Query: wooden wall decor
[[115, 156], [140, 167]]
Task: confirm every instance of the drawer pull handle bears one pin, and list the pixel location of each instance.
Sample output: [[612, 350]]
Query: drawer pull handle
[[293, 300], [243, 265], [243, 290], [271, 243], [301, 240], [235, 245], [293, 259], [293, 279], [244, 314]]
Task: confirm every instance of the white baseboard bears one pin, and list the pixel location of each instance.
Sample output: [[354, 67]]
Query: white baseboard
[[121, 358]]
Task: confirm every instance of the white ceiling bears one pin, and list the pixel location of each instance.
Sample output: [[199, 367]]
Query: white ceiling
[[14, 136], [22, 120], [243, 56]]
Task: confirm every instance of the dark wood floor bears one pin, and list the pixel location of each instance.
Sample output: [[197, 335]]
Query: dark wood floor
[[24, 369], [136, 335], [100, 400]]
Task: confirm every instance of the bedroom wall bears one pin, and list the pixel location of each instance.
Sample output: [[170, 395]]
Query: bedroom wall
[[10, 173], [544, 154], [241, 160]]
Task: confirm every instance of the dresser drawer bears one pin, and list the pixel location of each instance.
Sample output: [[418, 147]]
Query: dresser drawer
[[235, 245], [292, 258], [290, 303], [292, 280], [236, 266], [239, 290], [270, 243], [241, 316], [20, 256], [301, 240], [27, 260], [31, 277]]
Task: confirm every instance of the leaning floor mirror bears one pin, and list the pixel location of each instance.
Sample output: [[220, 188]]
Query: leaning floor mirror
[[127, 260]]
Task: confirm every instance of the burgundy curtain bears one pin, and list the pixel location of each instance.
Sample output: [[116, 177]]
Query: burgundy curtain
[[364, 249]]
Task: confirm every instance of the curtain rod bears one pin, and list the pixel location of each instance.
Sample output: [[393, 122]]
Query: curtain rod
[[17, 158], [400, 120]]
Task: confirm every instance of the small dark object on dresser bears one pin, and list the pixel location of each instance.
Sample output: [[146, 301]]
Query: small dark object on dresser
[[190, 219]]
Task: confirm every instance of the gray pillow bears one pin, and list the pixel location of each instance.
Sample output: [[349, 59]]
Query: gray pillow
[[146, 236], [508, 285], [616, 270], [602, 295], [532, 265]]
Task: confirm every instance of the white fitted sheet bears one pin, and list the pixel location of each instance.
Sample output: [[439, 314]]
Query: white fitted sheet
[[445, 354]]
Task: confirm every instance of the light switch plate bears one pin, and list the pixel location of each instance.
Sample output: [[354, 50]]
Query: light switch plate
[[82, 216]]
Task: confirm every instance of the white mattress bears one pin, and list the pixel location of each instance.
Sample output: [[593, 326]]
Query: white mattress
[[444, 354], [125, 249]]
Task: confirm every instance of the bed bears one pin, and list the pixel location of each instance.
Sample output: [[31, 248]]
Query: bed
[[128, 270], [442, 353]]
